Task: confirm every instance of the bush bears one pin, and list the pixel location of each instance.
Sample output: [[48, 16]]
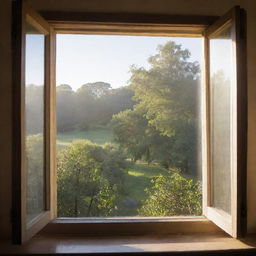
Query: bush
[[173, 195], [89, 180]]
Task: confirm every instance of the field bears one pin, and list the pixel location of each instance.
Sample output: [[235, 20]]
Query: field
[[138, 176], [99, 136]]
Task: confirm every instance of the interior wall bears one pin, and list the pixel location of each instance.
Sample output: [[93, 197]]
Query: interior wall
[[199, 7], [6, 116]]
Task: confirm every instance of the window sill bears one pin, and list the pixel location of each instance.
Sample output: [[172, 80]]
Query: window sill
[[131, 226], [192, 244]]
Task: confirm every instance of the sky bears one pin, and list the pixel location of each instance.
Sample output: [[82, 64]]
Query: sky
[[34, 59], [90, 58]]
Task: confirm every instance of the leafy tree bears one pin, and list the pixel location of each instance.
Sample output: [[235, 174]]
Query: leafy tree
[[173, 195], [92, 105], [97, 89], [114, 102], [85, 105], [89, 179], [129, 129], [65, 108], [167, 100]]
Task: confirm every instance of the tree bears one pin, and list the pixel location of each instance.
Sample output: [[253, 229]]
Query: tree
[[97, 89], [173, 195], [65, 108], [114, 102], [89, 179], [129, 129], [166, 97], [93, 105], [85, 105]]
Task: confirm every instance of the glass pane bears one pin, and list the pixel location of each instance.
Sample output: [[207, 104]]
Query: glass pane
[[128, 126], [34, 121], [220, 89]]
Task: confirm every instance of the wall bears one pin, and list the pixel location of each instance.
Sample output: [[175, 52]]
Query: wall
[[200, 7], [6, 116]]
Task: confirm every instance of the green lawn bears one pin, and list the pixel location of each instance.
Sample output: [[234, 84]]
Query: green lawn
[[138, 178], [99, 136]]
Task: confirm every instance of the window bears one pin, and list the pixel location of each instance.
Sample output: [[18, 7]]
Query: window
[[223, 118], [124, 156]]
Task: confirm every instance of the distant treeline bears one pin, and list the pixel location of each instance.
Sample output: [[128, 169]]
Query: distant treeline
[[92, 105]]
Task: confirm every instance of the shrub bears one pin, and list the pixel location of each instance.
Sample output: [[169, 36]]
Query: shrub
[[89, 180], [173, 195]]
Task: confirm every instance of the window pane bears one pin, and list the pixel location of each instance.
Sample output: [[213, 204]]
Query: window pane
[[220, 89], [128, 126], [34, 121]]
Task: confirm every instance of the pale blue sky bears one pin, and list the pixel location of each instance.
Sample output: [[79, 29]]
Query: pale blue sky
[[34, 59], [89, 58]]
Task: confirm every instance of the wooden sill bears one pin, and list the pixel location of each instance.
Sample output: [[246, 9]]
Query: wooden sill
[[131, 226], [192, 244]]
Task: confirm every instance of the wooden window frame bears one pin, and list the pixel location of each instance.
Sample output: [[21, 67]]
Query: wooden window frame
[[123, 24], [21, 228], [237, 219], [135, 25]]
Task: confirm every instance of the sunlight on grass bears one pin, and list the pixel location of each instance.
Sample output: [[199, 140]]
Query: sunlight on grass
[[136, 174], [99, 136]]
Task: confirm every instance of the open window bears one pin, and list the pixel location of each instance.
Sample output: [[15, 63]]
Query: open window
[[32, 173], [226, 194], [223, 111]]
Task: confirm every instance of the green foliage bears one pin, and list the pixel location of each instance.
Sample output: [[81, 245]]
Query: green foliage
[[173, 195], [92, 105], [65, 110], [89, 179], [154, 119], [162, 126], [129, 129], [137, 179], [96, 89]]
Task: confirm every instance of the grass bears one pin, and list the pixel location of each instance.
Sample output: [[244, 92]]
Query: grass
[[98, 136], [138, 178]]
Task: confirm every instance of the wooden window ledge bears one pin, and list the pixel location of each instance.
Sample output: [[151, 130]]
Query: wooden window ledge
[[192, 244]]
